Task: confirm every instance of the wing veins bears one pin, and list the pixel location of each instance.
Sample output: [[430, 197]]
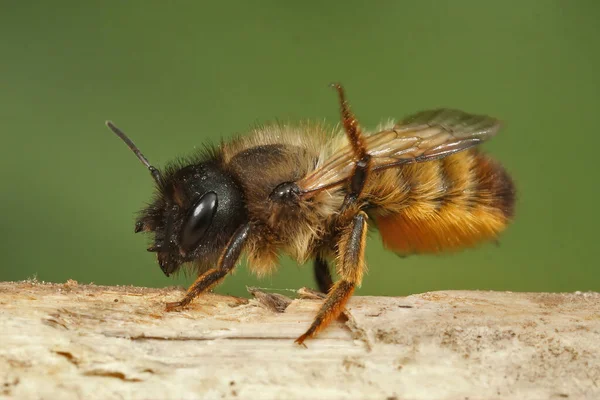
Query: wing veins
[[425, 136]]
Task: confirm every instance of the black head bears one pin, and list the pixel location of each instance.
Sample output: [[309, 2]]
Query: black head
[[196, 210], [197, 207]]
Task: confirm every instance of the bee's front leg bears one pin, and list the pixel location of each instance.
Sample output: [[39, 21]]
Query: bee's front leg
[[213, 276], [350, 267]]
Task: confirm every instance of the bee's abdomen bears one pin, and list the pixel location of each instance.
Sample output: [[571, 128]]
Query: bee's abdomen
[[448, 204]]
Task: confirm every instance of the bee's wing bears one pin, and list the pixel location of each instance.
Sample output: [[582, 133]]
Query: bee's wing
[[424, 136]]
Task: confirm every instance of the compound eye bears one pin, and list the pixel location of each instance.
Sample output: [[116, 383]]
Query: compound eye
[[198, 221]]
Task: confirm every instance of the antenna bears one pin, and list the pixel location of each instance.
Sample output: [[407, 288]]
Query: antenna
[[155, 172]]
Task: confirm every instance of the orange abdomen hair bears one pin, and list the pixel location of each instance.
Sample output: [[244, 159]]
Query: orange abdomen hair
[[447, 204]]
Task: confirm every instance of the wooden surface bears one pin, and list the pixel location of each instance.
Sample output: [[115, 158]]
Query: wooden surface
[[73, 341]]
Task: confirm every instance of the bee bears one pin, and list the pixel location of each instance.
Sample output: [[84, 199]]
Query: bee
[[312, 192]]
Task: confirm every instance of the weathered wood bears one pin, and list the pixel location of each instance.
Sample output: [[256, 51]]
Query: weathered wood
[[83, 341]]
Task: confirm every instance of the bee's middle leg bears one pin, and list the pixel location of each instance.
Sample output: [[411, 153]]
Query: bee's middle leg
[[351, 266], [322, 274], [213, 276]]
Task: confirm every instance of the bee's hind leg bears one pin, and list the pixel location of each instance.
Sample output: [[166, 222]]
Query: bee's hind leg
[[213, 276], [351, 266]]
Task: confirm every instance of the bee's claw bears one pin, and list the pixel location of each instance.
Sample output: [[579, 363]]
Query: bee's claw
[[301, 339], [174, 306]]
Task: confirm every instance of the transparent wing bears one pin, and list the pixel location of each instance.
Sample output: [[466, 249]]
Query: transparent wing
[[424, 136]]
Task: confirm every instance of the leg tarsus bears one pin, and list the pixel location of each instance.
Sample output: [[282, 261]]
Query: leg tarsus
[[204, 282], [357, 140], [213, 276], [330, 310], [174, 306]]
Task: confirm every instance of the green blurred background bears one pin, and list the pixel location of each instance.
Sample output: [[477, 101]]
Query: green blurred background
[[176, 76]]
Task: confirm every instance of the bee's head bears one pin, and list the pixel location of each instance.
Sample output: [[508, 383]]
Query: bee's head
[[196, 210], [197, 207]]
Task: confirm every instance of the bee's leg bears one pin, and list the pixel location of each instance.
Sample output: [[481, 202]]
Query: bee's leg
[[322, 274], [357, 181], [214, 275], [357, 140], [359, 147], [351, 265]]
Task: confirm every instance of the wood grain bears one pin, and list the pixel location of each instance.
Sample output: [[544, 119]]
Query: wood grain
[[72, 341]]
